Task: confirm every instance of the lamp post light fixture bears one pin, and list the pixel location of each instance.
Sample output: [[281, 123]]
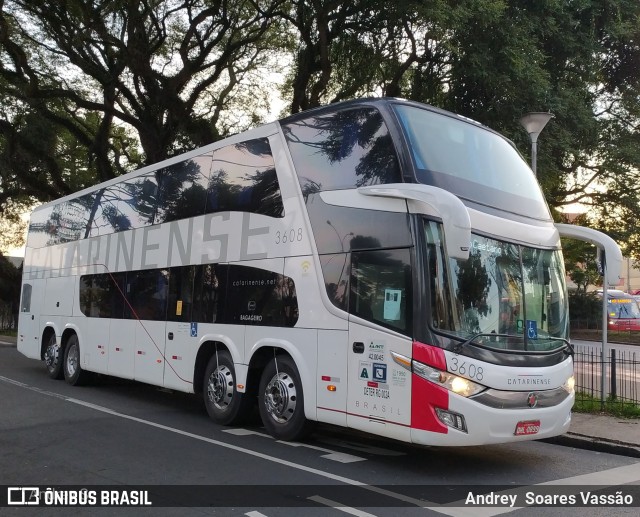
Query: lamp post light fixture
[[534, 124]]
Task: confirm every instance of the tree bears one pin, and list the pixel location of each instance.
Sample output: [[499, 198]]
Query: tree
[[581, 264], [95, 77], [493, 61], [10, 280], [168, 73]]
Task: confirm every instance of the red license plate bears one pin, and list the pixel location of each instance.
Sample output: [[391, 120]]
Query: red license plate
[[527, 427]]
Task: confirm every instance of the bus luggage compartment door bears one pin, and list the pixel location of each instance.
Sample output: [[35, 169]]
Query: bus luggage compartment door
[[29, 318]]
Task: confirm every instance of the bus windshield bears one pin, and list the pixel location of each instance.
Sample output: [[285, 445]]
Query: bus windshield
[[470, 161], [623, 308], [504, 296]]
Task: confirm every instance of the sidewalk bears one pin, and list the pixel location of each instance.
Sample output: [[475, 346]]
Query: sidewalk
[[603, 433], [594, 432], [8, 340]]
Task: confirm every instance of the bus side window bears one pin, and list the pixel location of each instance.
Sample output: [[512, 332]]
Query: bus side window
[[182, 189], [147, 294], [26, 298], [335, 269], [180, 293], [254, 297], [243, 178], [209, 288], [381, 287], [346, 149]]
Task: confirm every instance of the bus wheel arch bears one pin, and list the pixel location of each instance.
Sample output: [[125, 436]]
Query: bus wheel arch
[[281, 399], [215, 377], [52, 353], [74, 374]]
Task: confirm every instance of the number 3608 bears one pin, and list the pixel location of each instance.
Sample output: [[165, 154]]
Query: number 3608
[[467, 369], [292, 235]]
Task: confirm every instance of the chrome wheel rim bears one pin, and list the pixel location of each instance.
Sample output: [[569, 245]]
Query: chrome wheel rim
[[280, 398], [220, 387], [51, 355], [72, 360]]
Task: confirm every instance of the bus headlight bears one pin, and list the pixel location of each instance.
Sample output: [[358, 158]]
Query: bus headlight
[[458, 385], [570, 384], [462, 386]]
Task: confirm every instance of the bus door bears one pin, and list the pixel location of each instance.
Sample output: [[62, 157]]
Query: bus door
[[29, 319], [379, 398]]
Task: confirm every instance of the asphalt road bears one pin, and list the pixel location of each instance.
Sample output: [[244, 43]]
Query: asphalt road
[[121, 433]]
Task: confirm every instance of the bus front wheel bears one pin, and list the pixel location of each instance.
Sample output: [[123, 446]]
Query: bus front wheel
[[281, 400], [53, 358], [73, 372], [224, 403]]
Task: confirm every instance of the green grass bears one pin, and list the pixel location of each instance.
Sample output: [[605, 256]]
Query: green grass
[[623, 409], [13, 333]]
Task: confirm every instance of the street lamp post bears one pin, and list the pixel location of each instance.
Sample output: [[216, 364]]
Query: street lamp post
[[534, 124]]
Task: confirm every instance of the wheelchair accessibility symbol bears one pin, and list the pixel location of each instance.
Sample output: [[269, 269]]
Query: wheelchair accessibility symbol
[[532, 329]]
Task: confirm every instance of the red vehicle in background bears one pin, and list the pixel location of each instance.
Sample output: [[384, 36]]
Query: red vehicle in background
[[624, 312]]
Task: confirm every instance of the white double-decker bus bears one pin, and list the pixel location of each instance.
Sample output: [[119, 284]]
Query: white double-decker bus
[[376, 264]]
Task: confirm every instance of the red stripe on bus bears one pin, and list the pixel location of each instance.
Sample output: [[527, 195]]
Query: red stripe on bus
[[429, 355], [425, 397]]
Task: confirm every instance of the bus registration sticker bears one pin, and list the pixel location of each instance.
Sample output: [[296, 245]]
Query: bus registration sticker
[[527, 427]]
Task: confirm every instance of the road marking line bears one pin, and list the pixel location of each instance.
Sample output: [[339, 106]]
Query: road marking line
[[266, 457], [339, 506], [341, 457], [245, 432], [612, 477], [255, 514]]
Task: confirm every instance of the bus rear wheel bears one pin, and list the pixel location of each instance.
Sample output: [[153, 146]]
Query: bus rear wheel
[[281, 400], [73, 372], [53, 358], [225, 404]]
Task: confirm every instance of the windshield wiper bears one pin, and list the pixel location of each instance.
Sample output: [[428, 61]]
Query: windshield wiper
[[461, 345], [568, 348]]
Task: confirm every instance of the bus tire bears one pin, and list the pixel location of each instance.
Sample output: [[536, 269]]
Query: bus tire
[[53, 356], [225, 404], [281, 400], [73, 372]]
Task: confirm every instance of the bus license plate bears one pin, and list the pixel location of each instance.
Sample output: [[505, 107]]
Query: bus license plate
[[527, 427]]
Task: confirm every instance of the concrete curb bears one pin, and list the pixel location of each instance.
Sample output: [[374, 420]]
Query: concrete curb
[[590, 443]]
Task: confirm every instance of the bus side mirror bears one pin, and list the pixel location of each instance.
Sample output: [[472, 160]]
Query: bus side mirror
[[425, 199], [606, 246]]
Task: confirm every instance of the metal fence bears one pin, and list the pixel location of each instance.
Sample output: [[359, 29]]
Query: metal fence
[[621, 374]]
